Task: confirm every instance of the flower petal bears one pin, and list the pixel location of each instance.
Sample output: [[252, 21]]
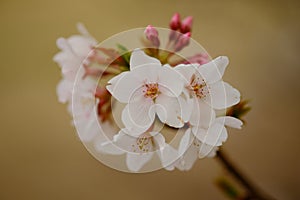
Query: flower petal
[[139, 149], [130, 144], [147, 73], [113, 82], [109, 147], [222, 95], [206, 150], [139, 58], [188, 151], [127, 84], [159, 140], [81, 46], [213, 71], [186, 71], [185, 142], [170, 81], [202, 114], [136, 161], [64, 90], [168, 155], [214, 135], [230, 122], [87, 128], [166, 152], [170, 110], [123, 86], [138, 116]]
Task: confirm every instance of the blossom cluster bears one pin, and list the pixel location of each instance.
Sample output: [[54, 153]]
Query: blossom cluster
[[185, 95]]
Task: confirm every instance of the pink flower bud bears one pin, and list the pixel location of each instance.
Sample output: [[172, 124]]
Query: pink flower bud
[[183, 41], [186, 25], [152, 35], [173, 35], [175, 22]]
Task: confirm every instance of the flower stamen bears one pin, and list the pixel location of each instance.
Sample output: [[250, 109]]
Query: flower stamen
[[143, 144], [151, 90], [198, 87]]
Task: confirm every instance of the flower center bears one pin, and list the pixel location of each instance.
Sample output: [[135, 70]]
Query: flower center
[[198, 87], [151, 90], [143, 144]]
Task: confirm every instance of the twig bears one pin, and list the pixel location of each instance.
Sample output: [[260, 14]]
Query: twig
[[253, 192]]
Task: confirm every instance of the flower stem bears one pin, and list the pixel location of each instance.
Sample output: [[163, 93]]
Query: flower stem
[[253, 193]]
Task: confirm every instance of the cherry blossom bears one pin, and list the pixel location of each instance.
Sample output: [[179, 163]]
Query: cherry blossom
[[204, 82], [74, 51], [140, 150], [148, 89], [191, 146]]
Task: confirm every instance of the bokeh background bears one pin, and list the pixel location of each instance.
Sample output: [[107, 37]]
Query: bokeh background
[[40, 154]]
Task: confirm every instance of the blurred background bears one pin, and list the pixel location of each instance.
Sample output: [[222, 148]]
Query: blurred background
[[40, 154]]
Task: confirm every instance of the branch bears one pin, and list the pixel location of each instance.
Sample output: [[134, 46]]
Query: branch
[[253, 192]]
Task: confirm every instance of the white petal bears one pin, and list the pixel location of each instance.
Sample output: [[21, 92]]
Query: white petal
[[69, 64], [188, 150], [87, 128], [170, 81], [230, 122], [186, 71], [64, 90], [138, 116], [62, 44], [206, 150], [137, 154], [189, 158], [81, 46], [113, 82], [147, 73], [139, 58], [159, 140], [136, 161], [214, 135], [124, 86], [136, 145], [109, 147], [214, 70], [168, 155], [170, 110], [186, 108], [222, 95], [202, 114], [185, 142]]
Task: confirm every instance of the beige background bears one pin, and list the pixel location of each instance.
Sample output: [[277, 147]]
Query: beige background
[[40, 155]]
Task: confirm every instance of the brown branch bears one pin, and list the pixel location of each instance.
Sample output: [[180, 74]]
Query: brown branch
[[253, 192]]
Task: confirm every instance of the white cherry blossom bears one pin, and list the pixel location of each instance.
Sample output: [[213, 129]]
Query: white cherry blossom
[[73, 52], [140, 150], [204, 82], [192, 147], [83, 107], [148, 89]]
